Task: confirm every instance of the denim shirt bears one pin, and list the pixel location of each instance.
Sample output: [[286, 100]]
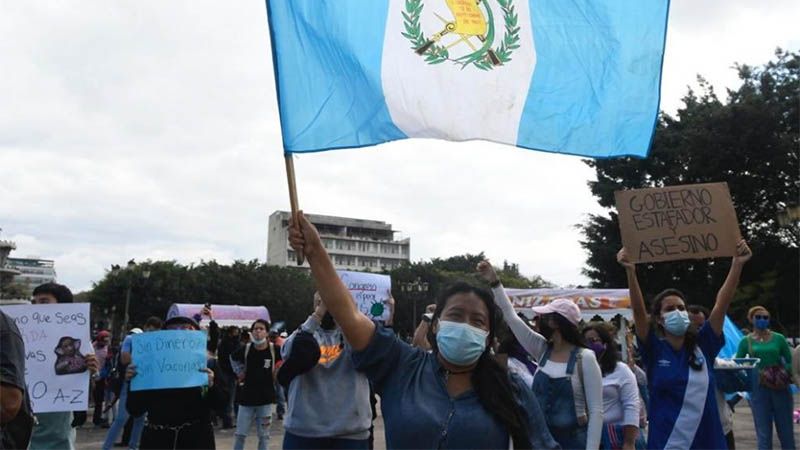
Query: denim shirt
[[417, 410]]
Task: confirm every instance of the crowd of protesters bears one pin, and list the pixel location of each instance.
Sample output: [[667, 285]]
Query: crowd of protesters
[[477, 375]]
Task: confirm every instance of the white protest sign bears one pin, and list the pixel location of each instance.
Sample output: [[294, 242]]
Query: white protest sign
[[56, 338], [371, 292]]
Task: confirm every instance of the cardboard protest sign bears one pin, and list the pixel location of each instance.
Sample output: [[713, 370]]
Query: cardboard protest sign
[[370, 291], [678, 222], [169, 359], [56, 341]]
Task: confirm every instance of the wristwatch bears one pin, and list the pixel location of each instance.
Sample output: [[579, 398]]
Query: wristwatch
[[427, 317]]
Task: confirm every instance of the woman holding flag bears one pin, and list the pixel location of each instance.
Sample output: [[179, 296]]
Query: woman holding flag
[[456, 396]]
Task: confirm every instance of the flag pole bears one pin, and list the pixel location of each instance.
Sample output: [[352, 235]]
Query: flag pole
[[292, 194]]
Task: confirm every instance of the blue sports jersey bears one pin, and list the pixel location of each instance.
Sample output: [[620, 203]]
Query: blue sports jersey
[[683, 408]]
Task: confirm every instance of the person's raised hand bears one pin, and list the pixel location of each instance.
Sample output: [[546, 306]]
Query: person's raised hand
[[303, 236], [486, 271], [743, 253], [430, 309], [320, 310], [92, 363], [624, 260], [130, 372]]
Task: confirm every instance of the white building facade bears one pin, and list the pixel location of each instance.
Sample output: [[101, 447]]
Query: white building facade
[[34, 271], [353, 244]]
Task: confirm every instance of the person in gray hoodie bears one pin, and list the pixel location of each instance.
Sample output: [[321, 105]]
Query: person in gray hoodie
[[328, 406]]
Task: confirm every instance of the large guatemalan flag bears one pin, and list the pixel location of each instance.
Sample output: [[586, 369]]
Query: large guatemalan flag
[[567, 76]]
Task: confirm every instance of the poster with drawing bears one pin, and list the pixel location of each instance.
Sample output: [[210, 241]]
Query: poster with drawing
[[371, 292], [56, 341]]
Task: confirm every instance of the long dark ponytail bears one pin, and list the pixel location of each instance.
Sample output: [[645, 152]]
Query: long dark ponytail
[[690, 338], [489, 379]]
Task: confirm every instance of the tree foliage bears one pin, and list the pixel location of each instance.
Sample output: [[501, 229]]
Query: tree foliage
[[286, 291], [751, 142]]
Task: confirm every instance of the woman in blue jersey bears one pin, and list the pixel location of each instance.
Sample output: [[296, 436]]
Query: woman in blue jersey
[[679, 361]]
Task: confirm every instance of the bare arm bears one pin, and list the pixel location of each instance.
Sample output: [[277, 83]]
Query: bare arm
[[629, 435], [728, 289], [357, 327], [640, 316]]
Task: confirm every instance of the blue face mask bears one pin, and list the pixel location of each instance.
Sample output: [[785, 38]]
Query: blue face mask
[[761, 324], [676, 322], [459, 343]]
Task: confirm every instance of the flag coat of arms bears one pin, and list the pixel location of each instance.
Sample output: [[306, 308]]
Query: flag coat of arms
[[578, 77]]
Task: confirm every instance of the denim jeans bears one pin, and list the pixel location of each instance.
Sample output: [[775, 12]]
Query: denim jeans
[[280, 400], [119, 423], [295, 442], [262, 415], [556, 398], [769, 405]]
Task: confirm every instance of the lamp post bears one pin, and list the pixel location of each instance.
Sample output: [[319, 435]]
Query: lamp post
[[416, 289], [145, 275]]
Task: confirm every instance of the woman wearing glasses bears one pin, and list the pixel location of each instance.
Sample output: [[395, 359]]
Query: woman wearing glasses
[[771, 399], [679, 361]]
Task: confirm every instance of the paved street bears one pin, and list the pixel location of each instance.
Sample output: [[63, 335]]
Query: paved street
[[90, 437]]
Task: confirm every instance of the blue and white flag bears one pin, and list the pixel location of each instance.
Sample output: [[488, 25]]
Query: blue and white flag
[[579, 77]]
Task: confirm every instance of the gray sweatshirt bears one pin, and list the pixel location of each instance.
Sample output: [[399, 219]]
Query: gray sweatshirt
[[332, 399]]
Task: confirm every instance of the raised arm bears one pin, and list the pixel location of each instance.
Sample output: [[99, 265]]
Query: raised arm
[[533, 343], [728, 289], [640, 316], [420, 339], [390, 303], [357, 327]]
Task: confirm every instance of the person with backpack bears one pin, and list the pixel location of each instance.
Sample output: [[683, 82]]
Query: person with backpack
[[771, 399], [255, 367]]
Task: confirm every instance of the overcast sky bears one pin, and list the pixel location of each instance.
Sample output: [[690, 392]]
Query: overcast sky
[[149, 130]]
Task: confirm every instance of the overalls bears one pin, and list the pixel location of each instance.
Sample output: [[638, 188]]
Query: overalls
[[557, 400]]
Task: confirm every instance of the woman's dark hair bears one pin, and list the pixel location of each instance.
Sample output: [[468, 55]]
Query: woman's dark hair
[[569, 331], [699, 309], [610, 357], [690, 338], [489, 379]]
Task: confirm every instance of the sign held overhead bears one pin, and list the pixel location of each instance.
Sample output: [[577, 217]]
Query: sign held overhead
[[678, 222]]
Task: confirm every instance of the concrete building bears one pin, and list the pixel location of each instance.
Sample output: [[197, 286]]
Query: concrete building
[[354, 244], [33, 272]]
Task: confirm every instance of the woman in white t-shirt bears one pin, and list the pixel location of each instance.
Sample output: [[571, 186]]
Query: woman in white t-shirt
[[620, 392]]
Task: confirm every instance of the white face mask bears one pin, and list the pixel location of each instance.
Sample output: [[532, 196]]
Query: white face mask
[[257, 341], [676, 322]]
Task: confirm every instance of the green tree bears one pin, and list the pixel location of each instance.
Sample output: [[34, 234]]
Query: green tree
[[287, 292], [751, 141]]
